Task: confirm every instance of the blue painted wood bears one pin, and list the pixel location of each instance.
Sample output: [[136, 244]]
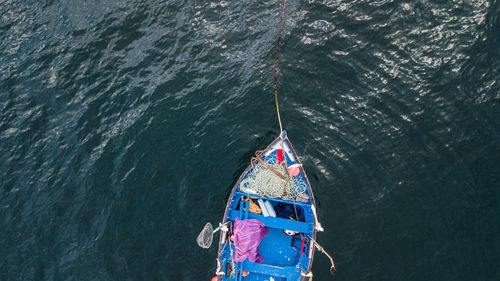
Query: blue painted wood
[[304, 205], [276, 271], [279, 223], [240, 215], [247, 208]]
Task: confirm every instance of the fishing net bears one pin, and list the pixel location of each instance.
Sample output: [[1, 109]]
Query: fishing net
[[205, 237], [264, 182]]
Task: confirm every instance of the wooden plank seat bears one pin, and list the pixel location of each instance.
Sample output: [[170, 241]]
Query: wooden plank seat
[[271, 270], [253, 196], [273, 222]]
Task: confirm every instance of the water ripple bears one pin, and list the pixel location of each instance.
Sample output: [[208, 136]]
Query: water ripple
[[123, 126]]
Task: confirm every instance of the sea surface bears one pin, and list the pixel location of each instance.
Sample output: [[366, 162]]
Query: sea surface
[[124, 125]]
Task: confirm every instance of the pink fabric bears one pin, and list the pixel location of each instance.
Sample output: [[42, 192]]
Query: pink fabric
[[247, 237]]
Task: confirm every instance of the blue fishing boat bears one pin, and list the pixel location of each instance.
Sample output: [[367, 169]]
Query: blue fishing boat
[[287, 215], [269, 227]]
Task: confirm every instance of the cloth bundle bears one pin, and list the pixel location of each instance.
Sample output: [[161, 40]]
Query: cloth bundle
[[247, 235]]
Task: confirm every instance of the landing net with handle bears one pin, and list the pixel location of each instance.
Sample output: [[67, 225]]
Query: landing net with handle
[[205, 237]]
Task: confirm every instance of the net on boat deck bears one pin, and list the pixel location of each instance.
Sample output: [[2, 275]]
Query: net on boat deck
[[264, 182], [205, 237]]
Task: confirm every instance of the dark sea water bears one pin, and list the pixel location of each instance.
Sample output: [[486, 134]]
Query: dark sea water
[[124, 124]]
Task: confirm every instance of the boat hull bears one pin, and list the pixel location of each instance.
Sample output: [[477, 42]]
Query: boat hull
[[287, 250]]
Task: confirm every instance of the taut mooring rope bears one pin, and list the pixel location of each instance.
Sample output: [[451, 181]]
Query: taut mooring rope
[[276, 65]]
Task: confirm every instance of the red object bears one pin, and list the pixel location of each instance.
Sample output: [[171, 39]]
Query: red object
[[214, 278], [279, 155], [302, 248], [244, 273]]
